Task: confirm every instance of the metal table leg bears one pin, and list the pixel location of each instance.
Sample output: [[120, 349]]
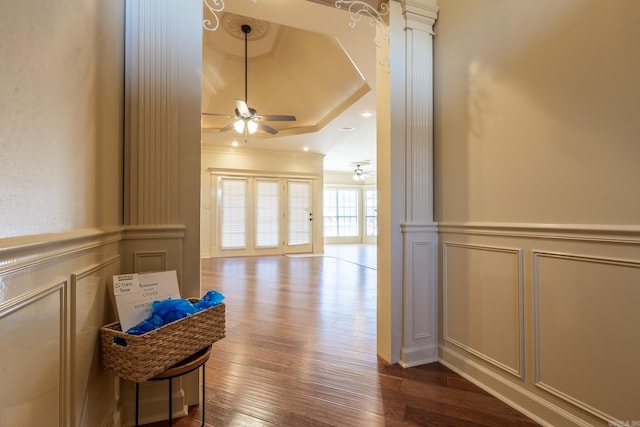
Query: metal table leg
[[188, 365]]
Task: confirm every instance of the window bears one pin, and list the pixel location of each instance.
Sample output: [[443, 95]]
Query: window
[[371, 213], [234, 209], [267, 213], [330, 217], [341, 213]]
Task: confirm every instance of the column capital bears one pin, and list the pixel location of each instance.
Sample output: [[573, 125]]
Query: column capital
[[420, 14]]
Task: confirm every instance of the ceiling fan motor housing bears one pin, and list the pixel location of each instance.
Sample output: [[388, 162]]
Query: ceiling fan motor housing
[[252, 113]]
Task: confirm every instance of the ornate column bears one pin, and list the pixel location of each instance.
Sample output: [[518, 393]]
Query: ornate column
[[162, 138], [162, 159], [419, 232], [407, 236]]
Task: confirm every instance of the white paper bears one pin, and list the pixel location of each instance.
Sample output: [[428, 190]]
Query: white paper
[[134, 294]]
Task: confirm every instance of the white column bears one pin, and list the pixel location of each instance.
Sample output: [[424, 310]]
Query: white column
[[162, 160], [407, 235], [420, 236], [162, 127], [151, 119]]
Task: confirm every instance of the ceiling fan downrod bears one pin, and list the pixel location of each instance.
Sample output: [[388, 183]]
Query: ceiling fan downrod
[[246, 29], [246, 119]]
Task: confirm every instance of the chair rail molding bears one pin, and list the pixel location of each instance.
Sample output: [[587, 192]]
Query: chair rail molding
[[573, 232]]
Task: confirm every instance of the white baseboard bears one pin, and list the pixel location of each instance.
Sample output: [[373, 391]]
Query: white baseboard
[[410, 357], [518, 397]]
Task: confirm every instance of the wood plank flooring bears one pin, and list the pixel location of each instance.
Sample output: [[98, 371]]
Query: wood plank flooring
[[300, 350]]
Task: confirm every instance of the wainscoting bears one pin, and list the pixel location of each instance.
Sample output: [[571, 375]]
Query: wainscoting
[[55, 294], [54, 298], [544, 317]]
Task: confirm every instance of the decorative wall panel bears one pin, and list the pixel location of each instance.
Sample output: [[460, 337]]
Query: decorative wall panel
[[483, 303], [420, 330], [150, 261], [423, 322], [32, 366], [91, 308], [586, 331]]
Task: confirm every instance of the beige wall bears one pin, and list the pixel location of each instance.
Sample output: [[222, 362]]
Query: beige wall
[[64, 127], [536, 151], [536, 106], [61, 126], [61, 86]]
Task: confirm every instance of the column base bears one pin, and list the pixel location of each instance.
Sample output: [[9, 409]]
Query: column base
[[416, 356]]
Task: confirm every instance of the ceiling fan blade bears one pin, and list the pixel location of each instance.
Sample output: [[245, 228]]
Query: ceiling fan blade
[[266, 128], [227, 128], [277, 118], [242, 108], [217, 115]]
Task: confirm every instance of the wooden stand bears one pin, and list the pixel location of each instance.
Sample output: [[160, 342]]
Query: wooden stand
[[189, 364]]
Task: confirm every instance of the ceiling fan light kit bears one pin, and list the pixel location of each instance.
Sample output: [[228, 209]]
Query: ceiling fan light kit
[[252, 126], [359, 175], [245, 125]]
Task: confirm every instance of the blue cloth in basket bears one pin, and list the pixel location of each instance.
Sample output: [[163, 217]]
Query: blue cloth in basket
[[169, 310]]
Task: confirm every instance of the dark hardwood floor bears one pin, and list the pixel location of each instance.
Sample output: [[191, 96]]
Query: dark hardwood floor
[[300, 350]]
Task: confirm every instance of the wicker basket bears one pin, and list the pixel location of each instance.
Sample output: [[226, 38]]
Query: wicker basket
[[140, 357]]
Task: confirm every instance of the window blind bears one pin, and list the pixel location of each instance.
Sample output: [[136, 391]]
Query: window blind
[[299, 203], [234, 210], [267, 213]]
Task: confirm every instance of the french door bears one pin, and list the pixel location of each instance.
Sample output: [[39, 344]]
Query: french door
[[264, 216], [234, 213], [299, 217]]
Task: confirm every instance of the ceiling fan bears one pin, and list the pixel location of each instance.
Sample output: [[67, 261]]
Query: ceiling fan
[[247, 120], [358, 173]]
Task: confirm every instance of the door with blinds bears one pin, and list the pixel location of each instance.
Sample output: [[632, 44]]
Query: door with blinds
[[267, 217], [299, 217], [233, 216], [264, 216]]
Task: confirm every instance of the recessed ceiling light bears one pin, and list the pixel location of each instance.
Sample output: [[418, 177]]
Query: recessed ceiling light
[[366, 114], [346, 128], [235, 143], [306, 148]]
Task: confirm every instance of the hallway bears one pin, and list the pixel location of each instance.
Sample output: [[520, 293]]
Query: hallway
[[300, 350]]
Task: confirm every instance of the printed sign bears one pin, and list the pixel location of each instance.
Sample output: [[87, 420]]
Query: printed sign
[[134, 294]]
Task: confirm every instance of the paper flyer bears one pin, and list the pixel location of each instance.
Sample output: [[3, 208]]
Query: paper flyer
[[135, 292]]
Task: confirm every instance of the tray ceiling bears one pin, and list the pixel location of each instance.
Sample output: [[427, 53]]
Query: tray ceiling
[[320, 77]]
